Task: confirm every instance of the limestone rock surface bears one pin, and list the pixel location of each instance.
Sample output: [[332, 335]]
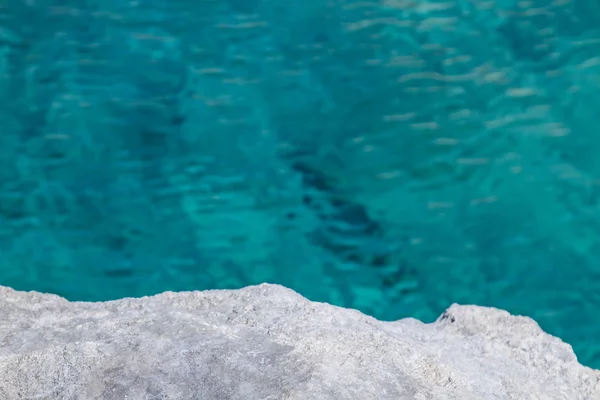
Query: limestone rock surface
[[267, 342]]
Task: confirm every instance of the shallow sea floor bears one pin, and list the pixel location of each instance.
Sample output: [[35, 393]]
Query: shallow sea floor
[[392, 156]]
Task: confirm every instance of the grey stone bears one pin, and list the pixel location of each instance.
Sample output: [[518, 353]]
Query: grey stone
[[267, 342]]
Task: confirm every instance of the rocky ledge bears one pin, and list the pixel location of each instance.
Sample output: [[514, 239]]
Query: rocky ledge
[[267, 342]]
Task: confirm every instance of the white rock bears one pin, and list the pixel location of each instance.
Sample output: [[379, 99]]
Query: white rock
[[267, 342]]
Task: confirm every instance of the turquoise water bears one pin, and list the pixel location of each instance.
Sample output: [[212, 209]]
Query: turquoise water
[[391, 156]]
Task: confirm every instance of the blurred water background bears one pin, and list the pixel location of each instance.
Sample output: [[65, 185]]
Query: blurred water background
[[393, 156]]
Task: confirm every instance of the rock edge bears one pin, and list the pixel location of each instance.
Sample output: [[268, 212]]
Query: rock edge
[[268, 342]]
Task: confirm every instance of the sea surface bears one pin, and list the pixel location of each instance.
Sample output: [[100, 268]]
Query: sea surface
[[394, 156]]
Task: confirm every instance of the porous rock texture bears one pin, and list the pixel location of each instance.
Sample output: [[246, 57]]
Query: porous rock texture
[[267, 342]]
